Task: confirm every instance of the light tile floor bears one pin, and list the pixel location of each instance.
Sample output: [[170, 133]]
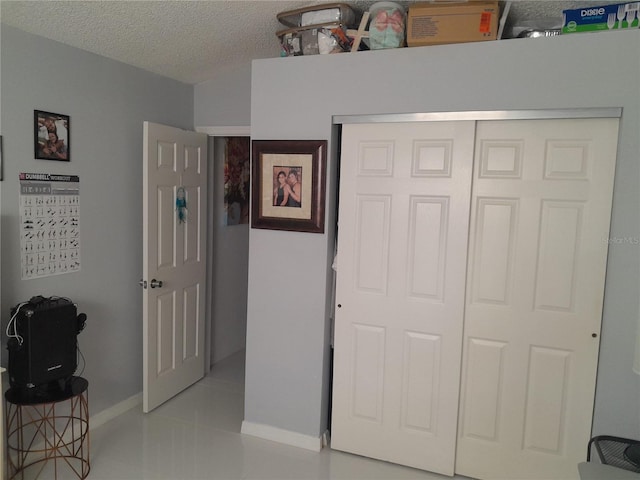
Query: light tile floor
[[196, 435]]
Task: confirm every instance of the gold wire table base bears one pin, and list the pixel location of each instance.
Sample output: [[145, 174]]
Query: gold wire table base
[[48, 437]]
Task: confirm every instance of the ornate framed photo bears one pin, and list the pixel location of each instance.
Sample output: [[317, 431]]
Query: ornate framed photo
[[288, 185], [52, 136]]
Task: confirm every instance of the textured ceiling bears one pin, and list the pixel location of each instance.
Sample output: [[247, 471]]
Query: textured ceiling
[[187, 40]]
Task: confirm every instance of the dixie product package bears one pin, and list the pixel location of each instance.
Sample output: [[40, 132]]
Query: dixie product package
[[452, 22], [606, 17]]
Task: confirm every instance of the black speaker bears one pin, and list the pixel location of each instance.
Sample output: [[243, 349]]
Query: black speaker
[[43, 342]]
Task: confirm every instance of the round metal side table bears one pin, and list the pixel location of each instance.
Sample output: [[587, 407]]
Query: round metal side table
[[48, 431]]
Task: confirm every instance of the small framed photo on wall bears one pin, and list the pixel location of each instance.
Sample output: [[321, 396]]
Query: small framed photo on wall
[[52, 136], [288, 181]]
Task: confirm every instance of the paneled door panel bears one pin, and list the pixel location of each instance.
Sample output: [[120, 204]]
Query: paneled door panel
[[174, 164], [540, 213], [402, 246]]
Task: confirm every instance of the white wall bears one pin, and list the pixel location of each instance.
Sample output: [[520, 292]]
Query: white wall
[[225, 100], [287, 374], [107, 102]]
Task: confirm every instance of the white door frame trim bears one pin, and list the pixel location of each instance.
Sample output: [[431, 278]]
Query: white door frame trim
[[238, 131], [596, 112]]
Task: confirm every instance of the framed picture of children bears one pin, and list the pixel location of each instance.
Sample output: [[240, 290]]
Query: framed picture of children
[[52, 136], [288, 185]]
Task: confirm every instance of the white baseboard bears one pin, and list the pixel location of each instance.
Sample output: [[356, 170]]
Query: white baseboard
[[279, 435], [114, 411]]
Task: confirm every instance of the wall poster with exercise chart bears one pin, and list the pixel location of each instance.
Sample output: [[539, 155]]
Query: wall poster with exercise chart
[[49, 224]]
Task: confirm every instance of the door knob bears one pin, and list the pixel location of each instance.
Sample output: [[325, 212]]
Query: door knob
[[142, 283], [155, 283]]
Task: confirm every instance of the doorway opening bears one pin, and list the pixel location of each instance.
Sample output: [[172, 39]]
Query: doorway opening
[[228, 246]]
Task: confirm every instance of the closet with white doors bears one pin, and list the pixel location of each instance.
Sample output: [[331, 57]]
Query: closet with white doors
[[469, 290]]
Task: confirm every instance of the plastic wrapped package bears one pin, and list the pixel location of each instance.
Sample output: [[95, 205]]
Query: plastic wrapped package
[[318, 41], [314, 39], [387, 27], [290, 43], [536, 28], [318, 14], [328, 43]]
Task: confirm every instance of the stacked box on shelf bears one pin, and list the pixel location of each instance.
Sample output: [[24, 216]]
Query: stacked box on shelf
[[436, 23], [313, 39], [606, 17], [314, 30]]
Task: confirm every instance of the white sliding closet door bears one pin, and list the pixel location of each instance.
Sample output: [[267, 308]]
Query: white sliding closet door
[[529, 246], [538, 247], [402, 244]]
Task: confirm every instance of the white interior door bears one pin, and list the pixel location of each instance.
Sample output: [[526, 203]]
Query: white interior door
[[174, 261], [538, 247], [402, 245]]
